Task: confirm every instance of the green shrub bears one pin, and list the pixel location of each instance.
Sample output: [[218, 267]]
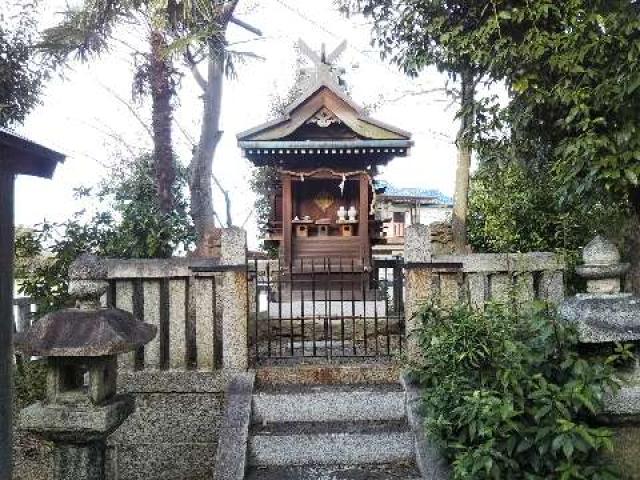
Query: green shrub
[[30, 379], [508, 397]]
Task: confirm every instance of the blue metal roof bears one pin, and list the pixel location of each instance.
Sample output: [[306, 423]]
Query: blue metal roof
[[413, 192]]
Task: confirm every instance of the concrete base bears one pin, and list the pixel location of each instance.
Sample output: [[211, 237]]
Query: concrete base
[[430, 461], [79, 462], [170, 436], [626, 450], [173, 434], [76, 423]]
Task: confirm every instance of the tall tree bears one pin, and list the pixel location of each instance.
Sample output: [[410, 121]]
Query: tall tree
[[572, 69], [201, 167], [22, 72], [161, 119], [194, 29], [87, 31], [415, 34]]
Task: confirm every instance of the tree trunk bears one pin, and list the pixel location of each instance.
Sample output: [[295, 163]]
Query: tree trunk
[[633, 243], [201, 168], [461, 195], [161, 115], [202, 162]]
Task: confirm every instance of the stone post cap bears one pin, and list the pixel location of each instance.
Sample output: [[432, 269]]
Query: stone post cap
[[234, 246], [600, 251], [88, 267], [417, 244], [601, 261]]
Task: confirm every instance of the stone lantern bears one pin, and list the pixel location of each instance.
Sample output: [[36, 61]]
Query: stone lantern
[[602, 317], [603, 314], [81, 346]]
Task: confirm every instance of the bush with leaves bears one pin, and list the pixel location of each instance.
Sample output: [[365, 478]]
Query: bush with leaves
[[128, 224], [514, 207], [507, 395], [30, 380]]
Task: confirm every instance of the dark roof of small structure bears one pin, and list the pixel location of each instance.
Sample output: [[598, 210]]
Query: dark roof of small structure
[[26, 157], [412, 193]]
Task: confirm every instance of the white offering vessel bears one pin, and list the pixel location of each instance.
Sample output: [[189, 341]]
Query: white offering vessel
[[352, 213], [342, 214]]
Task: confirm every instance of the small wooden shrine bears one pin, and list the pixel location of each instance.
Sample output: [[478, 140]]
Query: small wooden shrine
[[327, 151]]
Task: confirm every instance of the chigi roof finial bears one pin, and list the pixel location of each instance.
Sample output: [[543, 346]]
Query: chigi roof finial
[[324, 67]]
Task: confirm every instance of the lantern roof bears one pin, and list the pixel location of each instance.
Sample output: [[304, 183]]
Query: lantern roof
[[85, 333]]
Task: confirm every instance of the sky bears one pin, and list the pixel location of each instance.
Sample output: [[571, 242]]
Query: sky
[[83, 113]]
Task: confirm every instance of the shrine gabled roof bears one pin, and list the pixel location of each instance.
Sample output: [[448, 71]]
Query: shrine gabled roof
[[324, 119]]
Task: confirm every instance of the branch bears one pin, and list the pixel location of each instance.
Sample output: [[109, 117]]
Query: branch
[[246, 26], [227, 12], [129, 107], [244, 224], [215, 214], [185, 134], [227, 200], [193, 65], [416, 93]]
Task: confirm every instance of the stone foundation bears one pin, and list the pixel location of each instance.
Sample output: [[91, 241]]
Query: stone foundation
[[173, 434], [626, 449]]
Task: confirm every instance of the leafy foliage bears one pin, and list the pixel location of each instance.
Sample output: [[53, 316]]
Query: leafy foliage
[[508, 396], [30, 380], [127, 225], [264, 182], [514, 208], [572, 69], [21, 70]]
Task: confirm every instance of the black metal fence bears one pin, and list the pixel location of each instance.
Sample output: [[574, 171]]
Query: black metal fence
[[326, 308]]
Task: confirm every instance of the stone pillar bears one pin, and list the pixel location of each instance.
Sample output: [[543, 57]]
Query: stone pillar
[[419, 280], [81, 408], [235, 350], [603, 316]]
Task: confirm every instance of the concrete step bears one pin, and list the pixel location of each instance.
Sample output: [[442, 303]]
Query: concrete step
[[396, 471], [331, 443], [329, 403]]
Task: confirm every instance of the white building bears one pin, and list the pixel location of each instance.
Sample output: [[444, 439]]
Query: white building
[[397, 208]]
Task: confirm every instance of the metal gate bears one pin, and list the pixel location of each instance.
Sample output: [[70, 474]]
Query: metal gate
[[328, 308]]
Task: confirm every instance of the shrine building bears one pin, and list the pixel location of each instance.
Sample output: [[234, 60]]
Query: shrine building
[[327, 151]]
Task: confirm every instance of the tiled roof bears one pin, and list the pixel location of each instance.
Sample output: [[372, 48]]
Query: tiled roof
[[412, 192]]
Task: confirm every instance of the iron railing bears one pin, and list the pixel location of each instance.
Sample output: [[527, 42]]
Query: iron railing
[[326, 308]]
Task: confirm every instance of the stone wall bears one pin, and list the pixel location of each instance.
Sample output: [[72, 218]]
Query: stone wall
[[474, 278], [173, 433], [178, 379]]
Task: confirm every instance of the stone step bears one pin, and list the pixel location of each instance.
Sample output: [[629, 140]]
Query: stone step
[[395, 471], [331, 443], [329, 403]]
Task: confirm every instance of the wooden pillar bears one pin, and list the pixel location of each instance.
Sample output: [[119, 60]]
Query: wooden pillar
[[363, 227], [287, 215], [6, 322]]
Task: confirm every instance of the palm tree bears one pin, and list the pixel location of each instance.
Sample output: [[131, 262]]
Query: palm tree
[[86, 31]]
